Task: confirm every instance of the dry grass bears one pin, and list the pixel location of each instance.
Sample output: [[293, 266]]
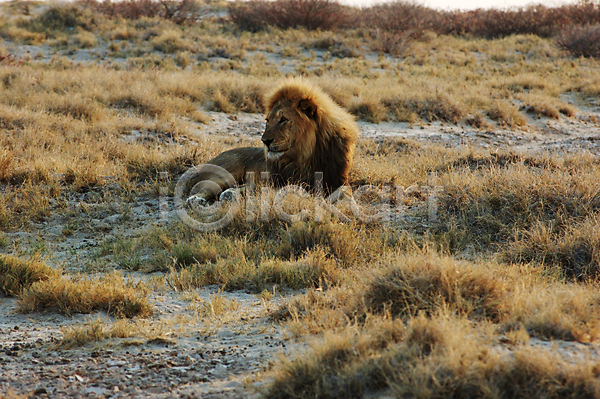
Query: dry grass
[[130, 331], [257, 257], [17, 275], [392, 312], [532, 200], [111, 293], [414, 286], [216, 307], [425, 325], [312, 270], [512, 297], [574, 250], [429, 357], [95, 331]]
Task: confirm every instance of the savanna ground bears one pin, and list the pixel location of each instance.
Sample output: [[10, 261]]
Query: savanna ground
[[482, 127]]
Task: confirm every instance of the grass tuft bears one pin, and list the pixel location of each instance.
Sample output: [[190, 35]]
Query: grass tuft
[[429, 357], [95, 331], [111, 293], [17, 275], [407, 286]]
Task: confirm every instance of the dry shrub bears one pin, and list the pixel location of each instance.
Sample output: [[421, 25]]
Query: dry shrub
[[535, 19], [130, 9], [438, 107], [310, 14], [16, 275], [506, 114], [61, 18], [402, 16], [233, 273], [580, 41], [370, 110], [179, 11], [429, 357], [574, 251], [111, 293], [394, 43], [408, 286]]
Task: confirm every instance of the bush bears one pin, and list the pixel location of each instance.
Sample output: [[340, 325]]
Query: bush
[[61, 18], [180, 12], [310, 14], [402, 16], [581, 41], [536, 19], [412, 19]]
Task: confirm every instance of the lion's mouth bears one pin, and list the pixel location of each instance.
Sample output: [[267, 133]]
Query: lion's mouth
[[274, 155]]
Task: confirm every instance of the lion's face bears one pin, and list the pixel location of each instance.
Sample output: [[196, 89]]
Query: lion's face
[[290, 132]]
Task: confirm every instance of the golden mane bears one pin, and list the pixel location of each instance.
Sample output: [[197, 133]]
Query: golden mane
[[331, 128]]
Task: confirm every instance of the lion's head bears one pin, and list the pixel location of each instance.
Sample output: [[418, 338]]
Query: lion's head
[[307, 132]]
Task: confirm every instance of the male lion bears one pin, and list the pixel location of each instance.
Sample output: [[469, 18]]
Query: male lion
[[306, 132]]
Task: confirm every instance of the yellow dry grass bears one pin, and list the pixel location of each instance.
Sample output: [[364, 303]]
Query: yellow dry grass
[[420, 312]]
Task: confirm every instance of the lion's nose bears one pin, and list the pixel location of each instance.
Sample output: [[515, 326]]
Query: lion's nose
[[267, 142]]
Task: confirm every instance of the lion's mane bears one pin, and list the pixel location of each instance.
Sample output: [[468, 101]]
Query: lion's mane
[[328, 142]]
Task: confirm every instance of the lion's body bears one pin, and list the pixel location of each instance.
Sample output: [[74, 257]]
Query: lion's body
[[306, 132]]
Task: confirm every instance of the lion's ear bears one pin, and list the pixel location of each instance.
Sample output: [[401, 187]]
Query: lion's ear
[[307, 107]]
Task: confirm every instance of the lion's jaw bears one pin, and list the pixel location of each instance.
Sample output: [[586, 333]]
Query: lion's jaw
[[273, 156]]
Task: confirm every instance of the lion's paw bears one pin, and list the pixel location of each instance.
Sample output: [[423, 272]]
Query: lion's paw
[[228, 195], [195, 202]]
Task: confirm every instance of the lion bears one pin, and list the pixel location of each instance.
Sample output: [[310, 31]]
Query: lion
[[306, 132]]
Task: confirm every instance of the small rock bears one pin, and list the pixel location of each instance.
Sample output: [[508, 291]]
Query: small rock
[[96, 391]]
